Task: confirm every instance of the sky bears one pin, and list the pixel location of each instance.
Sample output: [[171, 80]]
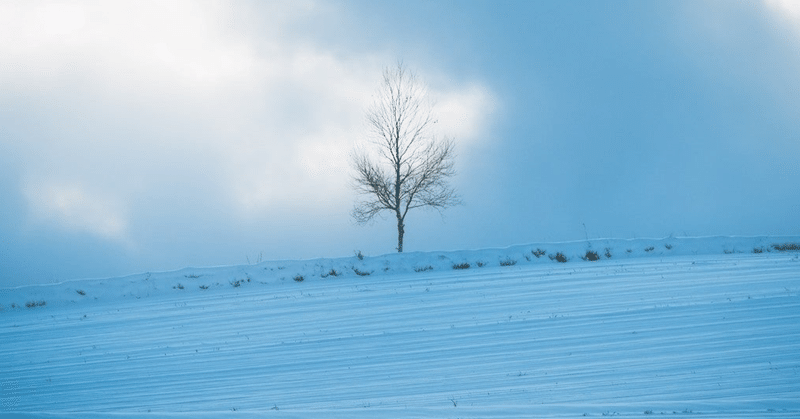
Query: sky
[[150, 136]]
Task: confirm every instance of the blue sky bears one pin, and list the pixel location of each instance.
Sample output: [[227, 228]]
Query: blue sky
[[142, 137]]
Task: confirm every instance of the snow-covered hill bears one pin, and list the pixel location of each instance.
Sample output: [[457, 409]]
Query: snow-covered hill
[[677, 327]]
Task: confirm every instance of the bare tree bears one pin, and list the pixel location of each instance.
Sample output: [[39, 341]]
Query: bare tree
[[410, 168]]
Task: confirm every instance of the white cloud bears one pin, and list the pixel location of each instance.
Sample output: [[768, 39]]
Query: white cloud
[[73, 207], [789, 8], [787, 11], [463, 113], [177, 45]]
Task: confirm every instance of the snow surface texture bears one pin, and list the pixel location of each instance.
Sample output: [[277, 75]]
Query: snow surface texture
[[706, 327]]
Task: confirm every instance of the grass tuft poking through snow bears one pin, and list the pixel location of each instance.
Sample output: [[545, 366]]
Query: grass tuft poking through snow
[[239, 282], [508, 262], [360, 272], [591, 256], [786, 247]]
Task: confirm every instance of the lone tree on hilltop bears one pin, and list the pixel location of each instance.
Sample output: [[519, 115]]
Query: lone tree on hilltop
[[410, 167]]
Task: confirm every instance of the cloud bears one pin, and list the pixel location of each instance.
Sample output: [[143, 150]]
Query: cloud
[[464, 113], [788, 9], [71, 206]]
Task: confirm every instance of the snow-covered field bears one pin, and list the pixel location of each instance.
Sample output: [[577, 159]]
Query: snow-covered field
[[678, 327]]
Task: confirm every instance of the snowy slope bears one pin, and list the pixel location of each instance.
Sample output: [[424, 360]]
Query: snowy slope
[[707, 327]]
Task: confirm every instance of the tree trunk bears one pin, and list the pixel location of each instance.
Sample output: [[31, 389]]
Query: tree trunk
[[397, 166], [400, 232]]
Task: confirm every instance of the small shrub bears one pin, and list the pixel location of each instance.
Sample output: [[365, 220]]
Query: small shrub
[[332, 272], [81, 292], [360, 273], [559, 257], [464, 265], [608, 253], [538, 253], [359, 255], [299, 278], [238, 283], [203, 287], [480, 264], [591, 256], [179, 286], [786, 247], [758, 250], [649, 249], [423, 268], [508, 262], [32, 304], [629, 251], [192, 276], [668, 246]]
